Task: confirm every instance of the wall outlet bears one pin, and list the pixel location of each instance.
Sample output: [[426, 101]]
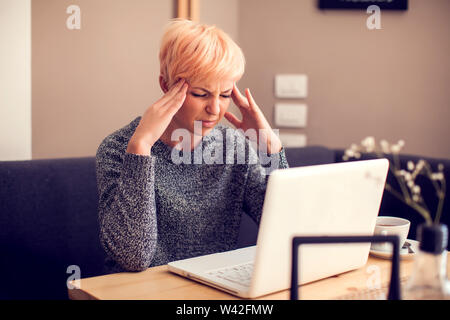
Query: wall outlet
[[291, 85], [290, 115]]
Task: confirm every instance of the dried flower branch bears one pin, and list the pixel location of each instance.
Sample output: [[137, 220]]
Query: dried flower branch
[[410, 192]]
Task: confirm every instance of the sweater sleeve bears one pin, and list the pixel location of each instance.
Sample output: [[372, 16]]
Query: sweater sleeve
[[127, 212], [258, 175]]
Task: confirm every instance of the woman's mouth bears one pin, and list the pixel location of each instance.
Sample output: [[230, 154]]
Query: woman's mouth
[[208, 124]]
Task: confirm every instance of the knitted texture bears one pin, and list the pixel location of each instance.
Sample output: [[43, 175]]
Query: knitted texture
[[153, 210]]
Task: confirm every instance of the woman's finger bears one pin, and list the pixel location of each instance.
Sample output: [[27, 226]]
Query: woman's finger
[[177, 101], [233, 119], [238, 98], [251, 101], [175, 89]]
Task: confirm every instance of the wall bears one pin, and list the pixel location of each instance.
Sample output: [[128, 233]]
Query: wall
[[89, 82], [222, 13], [391, 83], [15, 80]]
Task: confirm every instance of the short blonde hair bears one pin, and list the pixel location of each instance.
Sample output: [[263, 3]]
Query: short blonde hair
[[198, 52]]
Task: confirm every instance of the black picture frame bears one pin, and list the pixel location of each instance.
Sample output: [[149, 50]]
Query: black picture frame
[[363, 4], [394, 292]]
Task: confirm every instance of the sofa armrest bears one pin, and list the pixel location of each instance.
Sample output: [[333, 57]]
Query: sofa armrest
[[50, 210]]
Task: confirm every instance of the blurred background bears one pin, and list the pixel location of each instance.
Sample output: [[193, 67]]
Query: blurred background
[[63, 89]]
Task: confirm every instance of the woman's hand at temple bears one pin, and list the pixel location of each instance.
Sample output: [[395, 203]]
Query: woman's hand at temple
[[156, 119], [253, 118]]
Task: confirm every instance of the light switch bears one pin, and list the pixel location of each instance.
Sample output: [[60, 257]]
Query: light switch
[[291, 85], [293, 140], [290, 115]]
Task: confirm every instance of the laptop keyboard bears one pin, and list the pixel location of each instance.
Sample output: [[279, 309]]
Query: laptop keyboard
[[241, 274]]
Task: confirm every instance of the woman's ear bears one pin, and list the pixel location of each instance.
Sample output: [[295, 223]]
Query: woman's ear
[[163, 84]]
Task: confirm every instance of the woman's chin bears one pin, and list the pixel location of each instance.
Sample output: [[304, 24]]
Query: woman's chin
[[205, 131]]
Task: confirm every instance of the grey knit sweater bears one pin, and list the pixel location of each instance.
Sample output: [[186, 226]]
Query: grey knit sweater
[[153, 210]]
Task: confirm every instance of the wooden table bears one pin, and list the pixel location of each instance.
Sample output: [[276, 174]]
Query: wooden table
[[158, 283]]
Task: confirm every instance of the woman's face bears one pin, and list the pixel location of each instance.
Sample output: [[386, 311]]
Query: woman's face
[[205, 102]]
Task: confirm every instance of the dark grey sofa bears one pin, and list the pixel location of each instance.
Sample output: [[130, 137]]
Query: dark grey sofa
[[48, 220]]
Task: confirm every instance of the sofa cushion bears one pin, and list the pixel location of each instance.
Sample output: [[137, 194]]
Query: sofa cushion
[[48, 214], [309, 156]]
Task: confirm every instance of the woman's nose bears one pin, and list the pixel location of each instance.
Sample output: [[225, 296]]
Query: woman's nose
[[213, 106]]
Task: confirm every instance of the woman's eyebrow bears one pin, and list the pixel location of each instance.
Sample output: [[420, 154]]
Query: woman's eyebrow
[[209, 91]]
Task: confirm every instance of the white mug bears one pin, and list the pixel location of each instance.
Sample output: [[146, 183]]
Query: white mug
[[388, 226]]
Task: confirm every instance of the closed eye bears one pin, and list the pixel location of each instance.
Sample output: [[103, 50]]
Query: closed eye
[[204, 95], [198, 95]]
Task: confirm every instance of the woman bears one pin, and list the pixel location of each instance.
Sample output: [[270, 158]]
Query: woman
[[152, 209]]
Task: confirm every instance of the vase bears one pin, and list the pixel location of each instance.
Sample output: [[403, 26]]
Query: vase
[[429, 277]]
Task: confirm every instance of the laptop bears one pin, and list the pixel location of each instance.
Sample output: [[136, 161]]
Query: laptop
[[322, 200]]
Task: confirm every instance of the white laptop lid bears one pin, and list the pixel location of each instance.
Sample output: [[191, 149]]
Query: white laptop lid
[[331, 199]]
